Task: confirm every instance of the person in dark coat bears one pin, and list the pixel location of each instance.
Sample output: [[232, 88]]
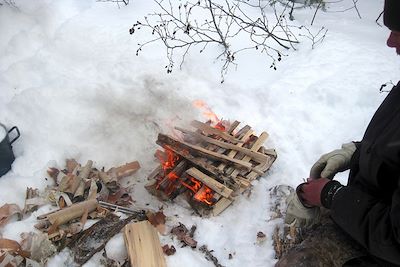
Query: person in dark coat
[[368, 207]]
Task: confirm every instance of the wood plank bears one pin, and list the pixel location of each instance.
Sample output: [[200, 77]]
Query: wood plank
[[256, 156], [210, 182], [221, 205], [233, 153], [143, 245], [264, 167], [256, 146], [165, 139], [210, 130], [233, 126]]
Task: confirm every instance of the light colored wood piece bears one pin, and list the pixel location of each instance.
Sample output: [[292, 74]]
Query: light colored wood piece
[[210, 130], [256, 156], [143, 245], [256, 146], [233, 153], [165, 139], [221, 205], [233, 126], [264, 167], [210, 182], [72, 212]]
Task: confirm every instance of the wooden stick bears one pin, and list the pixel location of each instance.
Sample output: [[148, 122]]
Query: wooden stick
[[143, 245], [165, 139], [233, 126], [233, 153], [259, 157], [210, 130], [72, 212], [210, 182], [256, 146]]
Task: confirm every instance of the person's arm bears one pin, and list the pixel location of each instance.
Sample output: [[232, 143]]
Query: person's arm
[[370, 221]]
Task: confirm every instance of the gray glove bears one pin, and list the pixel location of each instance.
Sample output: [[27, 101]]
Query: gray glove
[[336, 161], [299, 215]]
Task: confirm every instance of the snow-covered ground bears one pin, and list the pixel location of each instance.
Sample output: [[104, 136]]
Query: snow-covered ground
[[70, 80]]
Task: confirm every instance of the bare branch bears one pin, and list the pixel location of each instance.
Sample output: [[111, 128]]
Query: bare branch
[[178, 27]]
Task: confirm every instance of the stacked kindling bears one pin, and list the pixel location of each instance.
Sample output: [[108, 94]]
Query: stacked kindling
[[210, 165]]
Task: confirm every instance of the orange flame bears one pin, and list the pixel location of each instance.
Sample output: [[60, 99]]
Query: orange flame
[[206, 195], [210, 115], [201, 193], [195, 187], [167, 159], [207, 112]]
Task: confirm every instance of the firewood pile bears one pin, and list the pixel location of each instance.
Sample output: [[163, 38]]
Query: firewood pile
[[211, 165], [80, 193]]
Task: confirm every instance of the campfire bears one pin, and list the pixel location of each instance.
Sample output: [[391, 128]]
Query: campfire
[[210, 166]]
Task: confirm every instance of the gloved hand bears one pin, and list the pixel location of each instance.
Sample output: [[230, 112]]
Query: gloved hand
[[299, 215], [331, 163], [310, 192]]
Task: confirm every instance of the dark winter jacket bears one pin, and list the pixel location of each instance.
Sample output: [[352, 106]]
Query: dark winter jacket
[[368, 208]]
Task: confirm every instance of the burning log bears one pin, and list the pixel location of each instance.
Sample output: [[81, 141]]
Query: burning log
[[210, 182], [212, 166]]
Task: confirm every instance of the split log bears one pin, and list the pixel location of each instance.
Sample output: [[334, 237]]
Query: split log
[[92, 240], [256, 156], [210, 182], [143, 245], [168, 140], [210, 130]]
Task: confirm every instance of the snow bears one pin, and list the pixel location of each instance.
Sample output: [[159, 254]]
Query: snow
[[71, 82]]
